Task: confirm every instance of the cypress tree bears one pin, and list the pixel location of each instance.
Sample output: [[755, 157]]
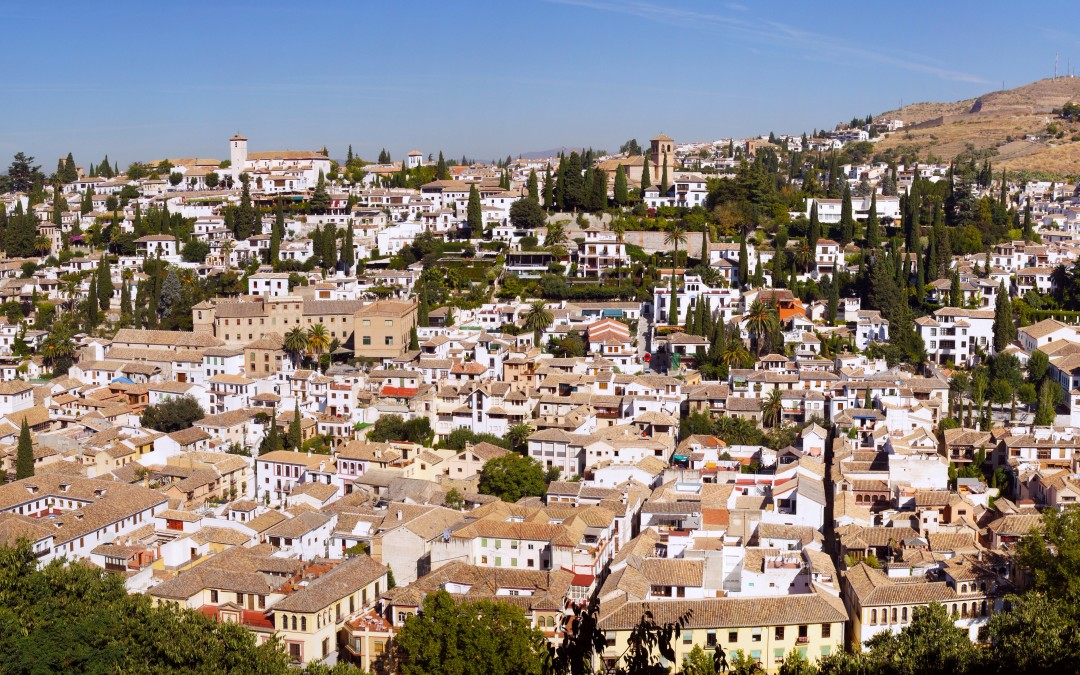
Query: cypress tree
[[847, 220], [125, 302], [622, 195], [1003, 199], [87, 204], [533, 187], [1029, 230], [813, 232], [91, 308], [705, 245], [71, 172], [24, 458], [954, 290], [474, 215], [320, 199], [422, 313], [442, 172], [646, 179], [349, 156], [873, 227], [348, 255], [673, 304], [743, 261], [277, 231], [329, 242], [575, 183], [560, 185], [834, 298], [598, 191], [104, 283], [414, 340], [664, 179], [549, 188], [1004, 326], [691, 320], [296, 437]]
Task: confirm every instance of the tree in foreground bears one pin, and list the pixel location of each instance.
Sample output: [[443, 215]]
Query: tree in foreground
[[512, 477], [173, 414], [451, 638], [24, 458]]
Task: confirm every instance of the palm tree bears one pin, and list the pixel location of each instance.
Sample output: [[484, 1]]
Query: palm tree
[[518, 436], [735, 354], [556, 235], [537, 319], [42, 244], [804, 255], [57, 345], [318, 341], [760, 319], [71, 284], [295, 344], [673, 236], [772, 408]]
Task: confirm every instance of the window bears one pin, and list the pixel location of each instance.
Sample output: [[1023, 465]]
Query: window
[[733, 636], [778, 655], [303, 623], [710, 639], [826, 630], [367, 340], [755, 635], [389, 340], [388, 322], [779, 633], [213, 596]]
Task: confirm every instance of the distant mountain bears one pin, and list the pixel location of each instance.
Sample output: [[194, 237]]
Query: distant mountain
[[1015, 128]]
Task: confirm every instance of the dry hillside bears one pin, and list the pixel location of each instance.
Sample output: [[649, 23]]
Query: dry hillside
[[999, 125]]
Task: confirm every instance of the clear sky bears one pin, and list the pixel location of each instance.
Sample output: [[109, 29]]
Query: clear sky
[[146, 80]]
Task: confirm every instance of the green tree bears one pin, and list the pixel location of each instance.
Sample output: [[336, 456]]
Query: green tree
[[474, 214], [24, 457], [674, 235], [622, 194], [532, 187], [1004, 326], [442, 171], [873, 228], [466, 638], [931, 643], [847, 219], [512, 477], [646, 178], [23, 175], [537, 319], [320, 198], [173, 414], [296, 429], [104, 282], [526, 213], [772, 408]]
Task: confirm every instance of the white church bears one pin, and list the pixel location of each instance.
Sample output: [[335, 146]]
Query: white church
[[276, 171]]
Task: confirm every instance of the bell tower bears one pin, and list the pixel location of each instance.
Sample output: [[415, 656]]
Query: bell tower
[[237, 152]]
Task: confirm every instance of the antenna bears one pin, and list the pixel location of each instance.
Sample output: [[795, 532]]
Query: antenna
[[1055, 65]]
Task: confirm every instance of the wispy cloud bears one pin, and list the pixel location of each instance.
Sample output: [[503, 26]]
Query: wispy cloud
[[774, 33]]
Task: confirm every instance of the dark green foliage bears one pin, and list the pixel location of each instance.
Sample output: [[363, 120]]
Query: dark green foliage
[[512, 477], [396, 428], [525, 214], [458, 438], [174, 414], [320, 199], [622, 195], [474, 215], [195, 251], [296, 429], [24, 458], [468, 638]]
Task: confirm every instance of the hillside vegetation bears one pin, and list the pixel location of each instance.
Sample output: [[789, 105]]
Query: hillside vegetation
[[1016, 128]]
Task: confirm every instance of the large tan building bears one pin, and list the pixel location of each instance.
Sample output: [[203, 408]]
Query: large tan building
[[381, 329]]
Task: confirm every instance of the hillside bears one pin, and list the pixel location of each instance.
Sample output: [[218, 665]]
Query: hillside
[[997, 125]]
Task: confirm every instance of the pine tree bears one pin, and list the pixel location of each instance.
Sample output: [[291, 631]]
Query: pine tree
[[646, 178], [474, 214], [104, 283], [320, 199], [622, 195], [24, 458], [296, 438], [1004, 326]]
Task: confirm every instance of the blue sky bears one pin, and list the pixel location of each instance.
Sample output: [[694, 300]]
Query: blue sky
[[145, 80]]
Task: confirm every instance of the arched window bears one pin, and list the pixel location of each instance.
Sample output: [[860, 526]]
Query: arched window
[[303, 623], [983, 608], [294, 623], [963, 588], [903, 615], [963, 609], [955, 612], [894, 615], [873, 617]]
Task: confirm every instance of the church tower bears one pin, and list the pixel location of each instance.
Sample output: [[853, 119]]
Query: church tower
[[661, 147], [238, 152]]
